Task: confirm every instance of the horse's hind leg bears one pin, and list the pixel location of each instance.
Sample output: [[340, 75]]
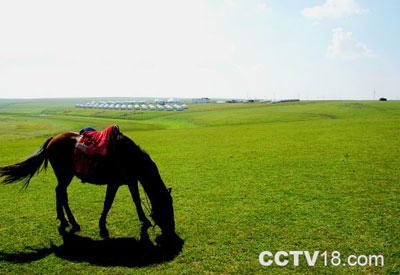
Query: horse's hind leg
[[62, 199], [75, 226], [110, 195], [60, 210], [133, 188]]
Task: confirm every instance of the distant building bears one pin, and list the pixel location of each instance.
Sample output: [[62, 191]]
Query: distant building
[[201, 100], [285, 100], [172, 101], [159, 101]]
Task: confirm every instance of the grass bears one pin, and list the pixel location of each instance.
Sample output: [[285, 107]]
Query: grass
[[246, 178]]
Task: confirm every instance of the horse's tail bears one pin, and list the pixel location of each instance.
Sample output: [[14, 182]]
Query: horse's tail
[[25, 170]]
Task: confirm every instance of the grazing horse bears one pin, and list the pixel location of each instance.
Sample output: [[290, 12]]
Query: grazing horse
[[125, 164]]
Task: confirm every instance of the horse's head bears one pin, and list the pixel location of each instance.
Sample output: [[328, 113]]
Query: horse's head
[[144, 168], [163, 212], [160, 197]]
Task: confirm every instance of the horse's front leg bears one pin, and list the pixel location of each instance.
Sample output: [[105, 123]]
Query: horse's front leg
[[110, 195], [134, 190]]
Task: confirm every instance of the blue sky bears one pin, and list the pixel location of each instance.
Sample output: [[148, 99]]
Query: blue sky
[[311, 49]]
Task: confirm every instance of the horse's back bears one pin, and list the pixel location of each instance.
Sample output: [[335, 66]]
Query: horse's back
[[68, 138], [66, 158]]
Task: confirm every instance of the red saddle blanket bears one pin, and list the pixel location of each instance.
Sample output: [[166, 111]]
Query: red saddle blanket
[[93, 142], [90, 151]]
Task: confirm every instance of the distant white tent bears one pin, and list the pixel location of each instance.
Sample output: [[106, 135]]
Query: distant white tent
[[178, 107], [135, 105]]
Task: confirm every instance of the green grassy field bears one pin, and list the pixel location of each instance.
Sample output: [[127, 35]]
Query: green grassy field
[[246, 178]]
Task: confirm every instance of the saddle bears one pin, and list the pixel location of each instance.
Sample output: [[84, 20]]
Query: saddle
[[93, 151]]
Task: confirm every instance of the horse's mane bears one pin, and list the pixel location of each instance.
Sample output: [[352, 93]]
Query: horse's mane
[[128, 144]]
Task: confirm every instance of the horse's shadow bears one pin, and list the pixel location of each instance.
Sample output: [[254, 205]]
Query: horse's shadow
[[127, 252]]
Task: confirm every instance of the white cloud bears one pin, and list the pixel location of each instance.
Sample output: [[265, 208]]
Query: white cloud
[[230, 3], [333, 9], [262, 7], [345, 46]]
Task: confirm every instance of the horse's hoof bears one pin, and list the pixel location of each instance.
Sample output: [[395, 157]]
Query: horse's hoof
[[104, 233], [146, 224], [75, 228], [64, 224], [61, 230]]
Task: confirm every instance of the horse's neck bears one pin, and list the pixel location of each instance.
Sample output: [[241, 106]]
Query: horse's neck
[[151, 179], [152, 184], [147, 171]]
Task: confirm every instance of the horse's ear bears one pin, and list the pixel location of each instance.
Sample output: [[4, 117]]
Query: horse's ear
[[170, 190]]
